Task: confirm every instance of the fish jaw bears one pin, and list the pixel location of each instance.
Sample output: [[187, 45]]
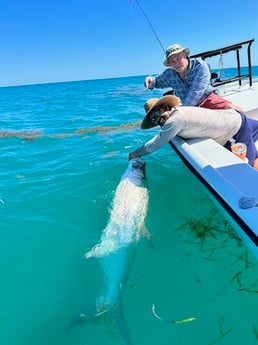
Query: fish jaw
[[135, 171]]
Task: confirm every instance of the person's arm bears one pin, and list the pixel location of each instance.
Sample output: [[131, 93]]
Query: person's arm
[[141, 151], [161, 81], [200, 86], [168, 131]]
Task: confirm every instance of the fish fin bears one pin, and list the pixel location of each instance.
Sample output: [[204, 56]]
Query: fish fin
[[112, 317], [147, 234], [122, 325], [94, 252], [79, 320]]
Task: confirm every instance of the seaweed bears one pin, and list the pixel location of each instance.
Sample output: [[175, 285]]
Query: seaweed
[[221, 336], [255, 332], [222, 333], [212, 233], [208, 227]]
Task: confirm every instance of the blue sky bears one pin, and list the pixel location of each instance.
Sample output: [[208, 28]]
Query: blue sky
[[52, 40]]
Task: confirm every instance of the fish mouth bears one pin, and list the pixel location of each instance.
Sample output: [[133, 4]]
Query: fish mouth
[[139, 164]]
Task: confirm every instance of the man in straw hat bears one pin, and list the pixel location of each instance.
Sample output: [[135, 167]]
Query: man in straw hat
[[224, 126], [189, 78]]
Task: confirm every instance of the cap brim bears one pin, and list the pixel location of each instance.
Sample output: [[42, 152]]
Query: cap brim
[[170, 100]]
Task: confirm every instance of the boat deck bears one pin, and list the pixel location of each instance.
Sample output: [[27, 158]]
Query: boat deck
[[244, 96]]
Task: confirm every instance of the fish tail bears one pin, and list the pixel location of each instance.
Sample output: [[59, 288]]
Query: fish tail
[[115, 316], [112, 317]]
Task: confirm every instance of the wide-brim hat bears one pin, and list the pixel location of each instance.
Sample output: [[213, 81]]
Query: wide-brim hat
[[151, 104], [174, 49]]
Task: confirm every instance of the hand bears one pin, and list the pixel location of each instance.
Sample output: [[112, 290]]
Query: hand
[[148, 82], [131, 156]]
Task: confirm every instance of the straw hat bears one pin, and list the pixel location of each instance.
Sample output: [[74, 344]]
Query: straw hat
[[152, 103], [174, 49]]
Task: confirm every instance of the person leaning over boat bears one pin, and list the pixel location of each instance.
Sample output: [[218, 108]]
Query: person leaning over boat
[[189, 78], [221, 125]]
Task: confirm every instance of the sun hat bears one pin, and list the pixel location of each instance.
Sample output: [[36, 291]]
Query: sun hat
[[174, 49], [152, 103]]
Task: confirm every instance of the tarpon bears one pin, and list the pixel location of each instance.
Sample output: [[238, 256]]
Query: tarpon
[[116, 250], [128, 212]]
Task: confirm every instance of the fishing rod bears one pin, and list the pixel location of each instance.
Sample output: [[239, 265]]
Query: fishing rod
[[157, 37], [151, 26]]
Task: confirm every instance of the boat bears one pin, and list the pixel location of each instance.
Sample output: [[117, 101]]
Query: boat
[[231, 182]]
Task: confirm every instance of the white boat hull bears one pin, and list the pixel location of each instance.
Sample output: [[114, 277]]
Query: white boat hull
[[226, 176]]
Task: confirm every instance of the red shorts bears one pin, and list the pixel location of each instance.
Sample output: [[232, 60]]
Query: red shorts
[[214, 101]]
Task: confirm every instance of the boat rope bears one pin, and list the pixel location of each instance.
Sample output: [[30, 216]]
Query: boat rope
[[221, 73], [149, 22], [221, 67]]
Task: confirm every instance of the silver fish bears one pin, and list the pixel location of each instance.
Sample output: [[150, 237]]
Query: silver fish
[[116, 249], [129, 207]]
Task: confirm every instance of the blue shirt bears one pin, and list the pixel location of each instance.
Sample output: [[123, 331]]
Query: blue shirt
[[193, 89]]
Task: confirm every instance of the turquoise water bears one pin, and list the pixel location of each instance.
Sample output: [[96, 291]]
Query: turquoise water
[[62, 156]]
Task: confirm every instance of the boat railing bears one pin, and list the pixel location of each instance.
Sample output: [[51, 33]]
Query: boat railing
[[234, 47]]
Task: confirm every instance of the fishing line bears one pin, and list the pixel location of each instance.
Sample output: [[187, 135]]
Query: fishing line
[[153, 30], [151, 26]]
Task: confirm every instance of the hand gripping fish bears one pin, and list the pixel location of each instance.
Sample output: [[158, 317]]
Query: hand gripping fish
[[118, 244]]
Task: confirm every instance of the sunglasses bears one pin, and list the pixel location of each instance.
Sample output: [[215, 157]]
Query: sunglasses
[[155, 116]]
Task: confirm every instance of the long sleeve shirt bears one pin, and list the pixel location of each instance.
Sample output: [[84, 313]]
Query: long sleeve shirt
[[194, 122], [193, 89]]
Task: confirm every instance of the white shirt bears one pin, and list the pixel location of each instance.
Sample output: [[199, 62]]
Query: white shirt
[[195, 122]]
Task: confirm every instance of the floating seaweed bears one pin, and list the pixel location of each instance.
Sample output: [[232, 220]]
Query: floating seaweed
[[222, 333], [216, 341], [209, 227], [255, 332], [213, 228], [31, 135]]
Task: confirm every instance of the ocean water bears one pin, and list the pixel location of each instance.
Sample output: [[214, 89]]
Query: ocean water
[[64, 147]]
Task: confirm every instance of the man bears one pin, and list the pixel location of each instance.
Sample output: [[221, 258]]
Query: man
[[189, 78], [222, 125]]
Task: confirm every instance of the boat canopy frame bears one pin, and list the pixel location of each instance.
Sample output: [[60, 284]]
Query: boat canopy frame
[[234, 47]]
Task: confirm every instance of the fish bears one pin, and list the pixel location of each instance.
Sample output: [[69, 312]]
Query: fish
[[118, 243], [129, 207]]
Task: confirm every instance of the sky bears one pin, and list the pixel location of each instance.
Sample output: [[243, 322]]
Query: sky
[[45, 41]]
